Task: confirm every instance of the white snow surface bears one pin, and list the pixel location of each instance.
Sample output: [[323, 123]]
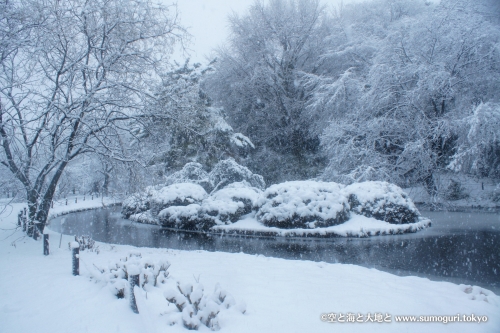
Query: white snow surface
[[39, 293], [183, 191], [380, 193], [302, 198], [238, 190]]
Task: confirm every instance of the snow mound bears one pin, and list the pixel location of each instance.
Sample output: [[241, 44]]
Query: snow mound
[[382, 201], [239, 192], [135, 204], [228, 171], [191, 173], [303, 204], [182, 194]]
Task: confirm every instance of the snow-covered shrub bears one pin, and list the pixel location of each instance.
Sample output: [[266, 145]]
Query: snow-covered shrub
[[239, 192], [182, 194], [303, 204], [221, 211], [191, 173], [198, 307], [228, 171], [455, 191], [193, 307], [87, 243], [150, 273], [134, 204], [382, 201], [183, 217]]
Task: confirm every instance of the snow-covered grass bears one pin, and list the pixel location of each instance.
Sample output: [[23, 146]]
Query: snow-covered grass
[[479, 193], [39, 294]]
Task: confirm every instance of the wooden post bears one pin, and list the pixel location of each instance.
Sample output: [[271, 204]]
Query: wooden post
[[24, 222], [19, 218], [66, 201], [92, 197], [83, 198], [76, 257], [45, 244], [52, 205], [133, 277], [35, 232], [76, 200]]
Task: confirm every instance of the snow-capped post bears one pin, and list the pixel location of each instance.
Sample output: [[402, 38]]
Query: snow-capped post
[[76, 200], [133, 276], [45, 244], [83, 198], [52, 204], [75, 246], [66, 201], [19, 218]]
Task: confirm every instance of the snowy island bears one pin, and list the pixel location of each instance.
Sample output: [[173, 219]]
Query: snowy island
[[232, 200]]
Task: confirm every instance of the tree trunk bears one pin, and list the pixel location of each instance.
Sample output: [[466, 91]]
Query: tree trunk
[[430, 186]]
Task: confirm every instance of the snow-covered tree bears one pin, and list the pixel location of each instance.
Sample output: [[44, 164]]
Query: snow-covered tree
[[185, 126], [73, 73], [258, 82], [429, 67]]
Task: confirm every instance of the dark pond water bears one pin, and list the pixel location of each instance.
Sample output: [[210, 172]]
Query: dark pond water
[[459, 247]]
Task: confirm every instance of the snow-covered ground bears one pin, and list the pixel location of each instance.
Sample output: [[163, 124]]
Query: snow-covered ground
[[39, 294]]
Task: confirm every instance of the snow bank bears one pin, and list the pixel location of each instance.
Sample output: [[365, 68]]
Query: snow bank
[[357, 226], [303, 204], [381, 200], [61, 208], [272, 289]]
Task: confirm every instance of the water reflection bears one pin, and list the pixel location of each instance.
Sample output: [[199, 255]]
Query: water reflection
[[460, 247]]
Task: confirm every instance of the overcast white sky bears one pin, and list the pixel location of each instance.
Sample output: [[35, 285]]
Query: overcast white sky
[[207, 21]]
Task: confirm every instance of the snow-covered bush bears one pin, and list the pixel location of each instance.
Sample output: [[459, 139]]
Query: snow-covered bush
[[303, 204], [193, 307], [381, 200], [182, 194], [196, 307], [134, 204], [183, 217], [239, 192], [87, 243], [228, 171], [117, 273], [191, 173], [455, 191]]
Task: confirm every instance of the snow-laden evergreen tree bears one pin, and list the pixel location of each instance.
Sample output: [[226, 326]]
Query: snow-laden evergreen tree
[[189, 128], [258, 82]]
